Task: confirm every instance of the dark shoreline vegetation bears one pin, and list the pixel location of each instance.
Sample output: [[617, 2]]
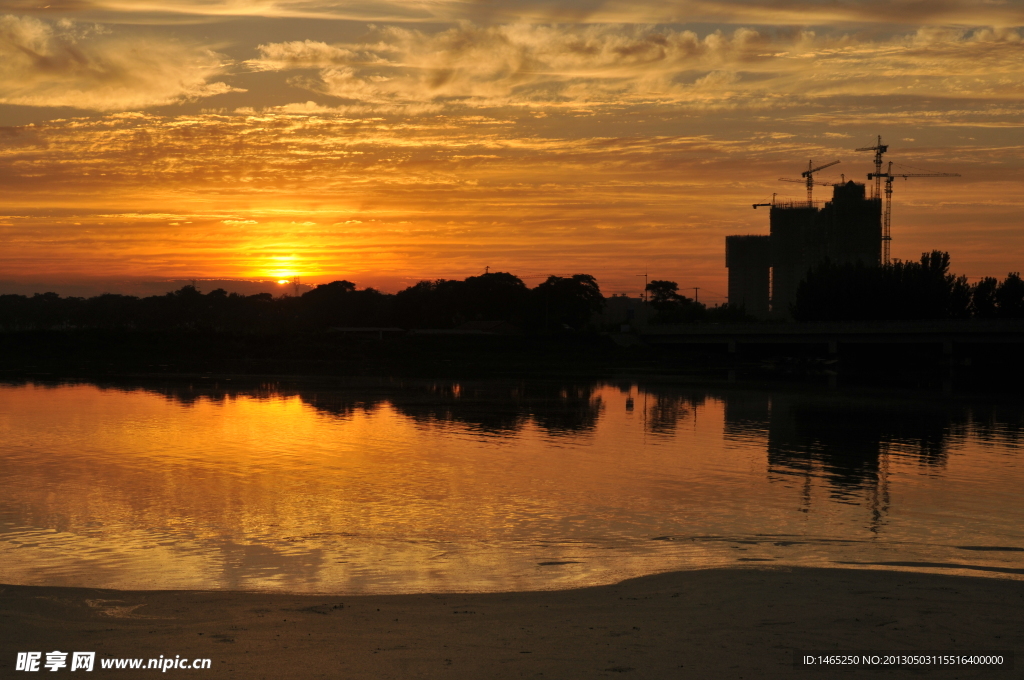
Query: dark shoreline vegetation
[[501, 303], [208, 358], [904, 291], [493, 302], [493, 325]]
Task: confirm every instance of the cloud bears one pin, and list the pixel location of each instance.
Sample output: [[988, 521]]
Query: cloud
[[512, 64], [746, 12], [813, 12], [301, 54], [49, 6], [559, 65], [85, 66], [172, 11], [435, 196]]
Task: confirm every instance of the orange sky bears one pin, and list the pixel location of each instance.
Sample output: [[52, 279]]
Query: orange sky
[[388, 142]]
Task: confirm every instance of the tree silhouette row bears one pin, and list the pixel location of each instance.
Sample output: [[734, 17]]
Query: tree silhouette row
[[905, 290], [501, 301], [477, 302]]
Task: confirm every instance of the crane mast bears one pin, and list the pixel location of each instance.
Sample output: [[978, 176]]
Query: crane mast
[[889, 176], [879, 149], [807, 174]]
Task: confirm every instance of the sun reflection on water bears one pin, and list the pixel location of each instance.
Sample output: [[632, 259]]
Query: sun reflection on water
[[462, 486]]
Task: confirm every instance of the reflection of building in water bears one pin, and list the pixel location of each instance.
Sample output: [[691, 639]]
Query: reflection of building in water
[[747, 415], [845, 442], [848, 443]]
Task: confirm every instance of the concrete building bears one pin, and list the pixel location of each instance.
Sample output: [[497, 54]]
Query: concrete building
[[749, 261], [846, 230]]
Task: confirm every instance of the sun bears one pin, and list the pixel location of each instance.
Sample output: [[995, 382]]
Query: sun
[[283, 276]]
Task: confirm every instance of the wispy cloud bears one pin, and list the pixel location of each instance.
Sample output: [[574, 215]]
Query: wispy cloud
[[813, 12], [64, 63], [372, 196], [447, 137], [559, 65], [747, 12]]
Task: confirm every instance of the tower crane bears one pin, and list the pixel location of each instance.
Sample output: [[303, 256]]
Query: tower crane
[[889, 177], [815, 182], [879, 149], [808, 177]]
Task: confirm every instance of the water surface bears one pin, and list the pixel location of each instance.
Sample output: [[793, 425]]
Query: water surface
[[388, 487]]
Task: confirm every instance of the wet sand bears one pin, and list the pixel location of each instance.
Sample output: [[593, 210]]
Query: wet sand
[[725, 623]]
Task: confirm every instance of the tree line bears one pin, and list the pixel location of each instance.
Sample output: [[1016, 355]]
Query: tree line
[[558, 303], [672, 307], [905, 291], [830, 292]]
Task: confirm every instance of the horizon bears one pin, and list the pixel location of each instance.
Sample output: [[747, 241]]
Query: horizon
[[389, 143], [278, 288]]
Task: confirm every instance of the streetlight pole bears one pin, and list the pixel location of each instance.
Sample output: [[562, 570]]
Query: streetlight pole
[[644, 296]]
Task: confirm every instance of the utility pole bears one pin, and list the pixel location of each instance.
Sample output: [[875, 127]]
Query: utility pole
[[695, 289], [644, 296]]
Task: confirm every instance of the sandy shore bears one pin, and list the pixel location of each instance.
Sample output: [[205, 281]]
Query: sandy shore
[[735, 623]]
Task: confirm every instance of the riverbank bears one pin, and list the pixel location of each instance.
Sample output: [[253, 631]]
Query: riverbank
[[729, 623], [107, 355], [88, 353]]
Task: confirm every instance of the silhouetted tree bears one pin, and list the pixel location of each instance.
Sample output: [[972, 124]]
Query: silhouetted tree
[[671, 307], [339, 304], [1010, 297], [497, 296], [983, 298], [14, 312], [901, 290], [925, 290], [111, 311], [567, 301], [430, 304]]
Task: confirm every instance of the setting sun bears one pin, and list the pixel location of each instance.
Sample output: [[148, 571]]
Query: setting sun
[[386, 151], [480, 307]]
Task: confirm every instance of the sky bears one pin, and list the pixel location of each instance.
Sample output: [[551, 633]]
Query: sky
[[144, 143]]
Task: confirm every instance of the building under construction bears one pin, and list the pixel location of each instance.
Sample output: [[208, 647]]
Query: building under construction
[[765, 271]]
